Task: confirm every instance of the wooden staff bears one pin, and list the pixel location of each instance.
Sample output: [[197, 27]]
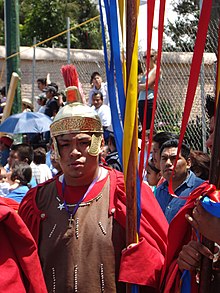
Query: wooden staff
[[132, 168], [10, 96], [131, 194]]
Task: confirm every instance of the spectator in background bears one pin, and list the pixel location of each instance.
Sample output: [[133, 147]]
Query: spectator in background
[[23, 153], [52, 107], [158, 140], [98, 86], [200, 164], [153, 175], [41, 101], [41, 83], [184, 181], [112, 158], [5, 144], [21, 176], [27, 105], [103, 111], [150, 94], [40, 161]]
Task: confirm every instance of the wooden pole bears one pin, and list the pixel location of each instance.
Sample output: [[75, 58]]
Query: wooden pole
[[10, 95], [131, 194], [131, 174]]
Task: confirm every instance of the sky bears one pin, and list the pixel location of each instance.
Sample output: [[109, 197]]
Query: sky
[[142, 29]]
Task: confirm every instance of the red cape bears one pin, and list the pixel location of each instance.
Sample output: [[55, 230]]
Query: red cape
[[179, 234], [20, 269], [139, 265]]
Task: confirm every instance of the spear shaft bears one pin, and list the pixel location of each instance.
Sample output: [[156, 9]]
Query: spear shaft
[[131, 194]]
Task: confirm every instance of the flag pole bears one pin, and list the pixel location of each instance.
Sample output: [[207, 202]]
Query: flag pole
[[131, 25]]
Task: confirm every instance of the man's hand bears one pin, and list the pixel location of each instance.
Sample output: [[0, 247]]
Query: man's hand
[[190, 256], [205, 223]]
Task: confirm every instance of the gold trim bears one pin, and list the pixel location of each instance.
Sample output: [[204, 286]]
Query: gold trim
[[75, 125]]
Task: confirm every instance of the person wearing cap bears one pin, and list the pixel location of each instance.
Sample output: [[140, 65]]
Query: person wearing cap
[[150, 94], [5, 144], [41, 101], [78, 218], [52, 107]]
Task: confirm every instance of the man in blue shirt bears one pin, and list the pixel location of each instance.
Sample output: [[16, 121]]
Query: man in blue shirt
[[184, 181]]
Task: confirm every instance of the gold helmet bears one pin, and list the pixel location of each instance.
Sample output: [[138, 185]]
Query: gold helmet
[[76, 118]]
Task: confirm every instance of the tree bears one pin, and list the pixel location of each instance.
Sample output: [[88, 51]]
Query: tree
[[180, 35], [45, 18]]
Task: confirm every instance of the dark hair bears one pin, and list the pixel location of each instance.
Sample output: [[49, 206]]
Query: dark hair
[[210, 106], [200, 164], [185, 149], [39, 156], [98, 93], [23, 172], [93, 75], [3, 91], [25, 152], [42, 80], [54, 85], [152, 166], [162, 137], [112, 139]]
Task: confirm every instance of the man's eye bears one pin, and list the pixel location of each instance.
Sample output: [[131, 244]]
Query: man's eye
[[64, 145], [85, 143]]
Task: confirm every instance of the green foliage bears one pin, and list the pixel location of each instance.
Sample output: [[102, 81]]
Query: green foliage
[[181, 34], [44, 19]]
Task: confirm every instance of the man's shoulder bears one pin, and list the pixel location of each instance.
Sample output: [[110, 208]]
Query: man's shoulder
[[163, 186], [194, 180]]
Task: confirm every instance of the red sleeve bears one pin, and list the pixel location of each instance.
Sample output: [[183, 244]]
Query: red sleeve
[[20, 269], [149, 253]]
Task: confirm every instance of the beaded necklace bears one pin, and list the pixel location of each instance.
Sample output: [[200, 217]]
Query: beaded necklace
[[72, 213]]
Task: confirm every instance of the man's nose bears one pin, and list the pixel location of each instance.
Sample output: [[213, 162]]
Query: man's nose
[[169, 161], [75, 151]]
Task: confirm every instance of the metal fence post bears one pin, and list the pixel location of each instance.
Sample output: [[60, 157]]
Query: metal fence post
[[33, 68], [68, 40]]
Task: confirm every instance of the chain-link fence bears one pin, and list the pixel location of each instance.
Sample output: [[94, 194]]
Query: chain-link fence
[[173, 87], [175, 69]]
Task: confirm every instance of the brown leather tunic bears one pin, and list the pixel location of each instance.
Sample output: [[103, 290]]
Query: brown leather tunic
[[86, 256]]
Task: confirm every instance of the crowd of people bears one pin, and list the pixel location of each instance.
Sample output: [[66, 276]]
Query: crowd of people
[[71, 202]]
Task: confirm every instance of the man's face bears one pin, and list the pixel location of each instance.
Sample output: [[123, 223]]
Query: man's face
[[97, 101], [13, 157], [97, 80], [156, 155], [168, 157], [78, 166], [210, 139], [40, 86], [49, 95]]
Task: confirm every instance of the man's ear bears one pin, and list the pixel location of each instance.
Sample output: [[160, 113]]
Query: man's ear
[[26, 160], [102, 145], [188, 163]]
